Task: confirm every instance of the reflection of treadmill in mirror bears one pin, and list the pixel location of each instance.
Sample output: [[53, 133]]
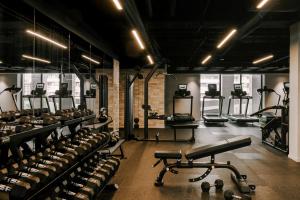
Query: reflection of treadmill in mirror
[[238, 93], [213, 94], [183, 93], [62, 93], [92, 92], [38, 93]]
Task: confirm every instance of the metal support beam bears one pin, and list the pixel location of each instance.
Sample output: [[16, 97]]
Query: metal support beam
[[81, 78], [146, 100]]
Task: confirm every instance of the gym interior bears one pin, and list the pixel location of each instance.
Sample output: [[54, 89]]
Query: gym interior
[[149, 99]]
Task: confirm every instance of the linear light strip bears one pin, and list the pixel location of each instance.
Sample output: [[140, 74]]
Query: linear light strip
[[221, 44], [150, 59], [91, 59], [46, 39], [118, 4], [263, 59], [36, 59], [261, 4], [206, 59], [138, 39]]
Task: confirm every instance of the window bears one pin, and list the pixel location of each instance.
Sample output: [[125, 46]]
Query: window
[[211, 105], [29, 83], [227, 81]]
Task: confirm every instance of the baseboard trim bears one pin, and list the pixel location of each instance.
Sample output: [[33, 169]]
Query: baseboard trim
[[294, 158]]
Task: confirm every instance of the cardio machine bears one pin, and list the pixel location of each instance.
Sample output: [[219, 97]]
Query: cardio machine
[[240, 118], [275, 132], [266, 117], [212, 93], [38, 93]]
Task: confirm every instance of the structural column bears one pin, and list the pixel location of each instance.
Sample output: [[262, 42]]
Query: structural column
[[116, 89], [294, 122]]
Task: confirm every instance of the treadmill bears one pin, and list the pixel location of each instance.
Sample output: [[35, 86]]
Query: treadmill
[[212, 93], [238, 93]]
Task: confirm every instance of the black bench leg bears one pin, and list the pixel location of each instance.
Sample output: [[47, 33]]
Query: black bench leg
[[193, 136], [159, 180], [122, 152]]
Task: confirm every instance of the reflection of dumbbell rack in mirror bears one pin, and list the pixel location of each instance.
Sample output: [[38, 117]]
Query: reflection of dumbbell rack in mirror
[[37, 94], [60, 95]]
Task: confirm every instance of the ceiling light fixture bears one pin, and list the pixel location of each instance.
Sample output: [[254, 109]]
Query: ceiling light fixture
[[221, 44], [36, 59], [138, 39], [118, 4], [91, 59], [263, 59], [1, 62], [261, 4], [150, 60], [46, 39], [206, 59]]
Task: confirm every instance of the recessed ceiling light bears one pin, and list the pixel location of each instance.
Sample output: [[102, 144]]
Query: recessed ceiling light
[[118, 4], [36, 59], [229, 35], [150, 60], [261, 4], [263, 59], [91, 59], [46, 38], [206, 59], [138, 39]]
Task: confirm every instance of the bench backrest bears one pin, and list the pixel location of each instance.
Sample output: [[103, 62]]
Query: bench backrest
[[219, 147]]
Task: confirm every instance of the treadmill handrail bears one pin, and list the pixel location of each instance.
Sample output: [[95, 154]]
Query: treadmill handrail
[[241, 98], [220, 98]]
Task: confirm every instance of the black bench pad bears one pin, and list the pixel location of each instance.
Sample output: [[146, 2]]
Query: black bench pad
[[219, 147], [168, 154]]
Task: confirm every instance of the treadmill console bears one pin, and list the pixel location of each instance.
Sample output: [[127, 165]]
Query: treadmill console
[[182, 91], [212, 90], [39, 90], [238, 91], [92, 91], [63, 90]]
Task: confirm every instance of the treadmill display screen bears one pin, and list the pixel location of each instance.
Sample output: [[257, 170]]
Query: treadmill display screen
[[212, 87], [40, 86], [64, 86], [182, 87], [237, 87]]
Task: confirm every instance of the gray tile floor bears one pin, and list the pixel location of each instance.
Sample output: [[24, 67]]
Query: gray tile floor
[[275, 175]]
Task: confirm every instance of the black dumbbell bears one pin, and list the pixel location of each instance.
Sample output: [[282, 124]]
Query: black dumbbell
[[229, 195], [205, 186]]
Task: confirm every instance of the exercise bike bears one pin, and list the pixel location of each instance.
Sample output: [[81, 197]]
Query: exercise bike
[[275, 131]]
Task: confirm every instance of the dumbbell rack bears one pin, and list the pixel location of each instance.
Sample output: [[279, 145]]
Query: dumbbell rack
[[13, 141], [67, 172]]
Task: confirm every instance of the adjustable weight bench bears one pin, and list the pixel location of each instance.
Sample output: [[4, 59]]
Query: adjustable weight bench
[[202, 152]]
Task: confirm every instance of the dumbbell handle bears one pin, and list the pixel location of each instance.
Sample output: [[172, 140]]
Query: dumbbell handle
[[237, 197]]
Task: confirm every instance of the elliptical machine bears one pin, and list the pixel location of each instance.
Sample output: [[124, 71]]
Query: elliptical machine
[[275, 132]]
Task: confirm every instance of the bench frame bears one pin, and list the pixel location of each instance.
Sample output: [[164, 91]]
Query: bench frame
[[240, 180]]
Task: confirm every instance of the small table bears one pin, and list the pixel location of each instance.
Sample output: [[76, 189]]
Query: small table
[[192, 126]]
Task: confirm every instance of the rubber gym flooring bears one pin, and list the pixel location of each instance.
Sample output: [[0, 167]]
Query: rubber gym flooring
[[276, 177]]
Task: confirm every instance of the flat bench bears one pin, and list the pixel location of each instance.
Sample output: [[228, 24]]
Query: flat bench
[[203, 151], [191, 126]]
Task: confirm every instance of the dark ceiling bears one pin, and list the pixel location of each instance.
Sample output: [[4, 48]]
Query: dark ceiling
[[187, 31], [178, 32]]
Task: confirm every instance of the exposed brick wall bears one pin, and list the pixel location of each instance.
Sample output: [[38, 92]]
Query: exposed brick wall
[[156, 96]]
